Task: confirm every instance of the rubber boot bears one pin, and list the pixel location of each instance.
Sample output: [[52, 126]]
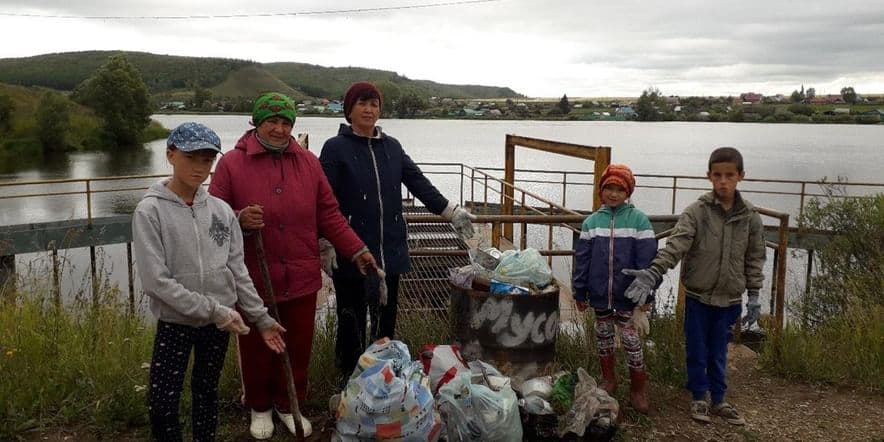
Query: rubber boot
[[609, 375], [638, 390]]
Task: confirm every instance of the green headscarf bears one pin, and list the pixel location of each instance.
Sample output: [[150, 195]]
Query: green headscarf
[[271, 104]]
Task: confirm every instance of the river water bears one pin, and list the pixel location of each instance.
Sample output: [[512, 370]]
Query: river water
[[771, 151]]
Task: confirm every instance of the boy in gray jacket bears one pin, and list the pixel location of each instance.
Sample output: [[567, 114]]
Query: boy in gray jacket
[[189, 255], [720, 238]]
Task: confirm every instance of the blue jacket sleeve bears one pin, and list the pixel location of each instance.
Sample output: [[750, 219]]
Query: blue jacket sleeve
[[583, 258], [421, 187]]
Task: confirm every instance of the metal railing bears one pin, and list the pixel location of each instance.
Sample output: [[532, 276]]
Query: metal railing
[[800, 189]]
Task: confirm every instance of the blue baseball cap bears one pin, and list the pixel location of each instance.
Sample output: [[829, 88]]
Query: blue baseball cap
[[190, 136]]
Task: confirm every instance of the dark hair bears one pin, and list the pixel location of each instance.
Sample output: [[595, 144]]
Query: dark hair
[[726, 155]]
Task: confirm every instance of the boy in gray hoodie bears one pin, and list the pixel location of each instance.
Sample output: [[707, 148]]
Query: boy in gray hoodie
[[189, 255]]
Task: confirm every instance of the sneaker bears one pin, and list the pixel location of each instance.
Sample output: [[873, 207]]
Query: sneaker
[[288, 419], [262, 424], [728, 413], [700, 412]]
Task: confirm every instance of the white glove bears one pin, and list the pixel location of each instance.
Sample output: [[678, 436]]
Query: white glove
[[234, 324], [382, 290], [462, 221], [328, 259], [753, 310], [642, 286]]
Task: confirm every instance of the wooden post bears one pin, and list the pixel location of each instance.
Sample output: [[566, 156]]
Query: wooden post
[[56, 283], [7, 273], [808, 277], [783, 248], [523, 241], [602, 159], [94, 270], [674, 189], [508, 189], [773, 282], [130, 266]]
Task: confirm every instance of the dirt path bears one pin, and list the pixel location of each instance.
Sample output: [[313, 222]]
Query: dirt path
[[775, 409]]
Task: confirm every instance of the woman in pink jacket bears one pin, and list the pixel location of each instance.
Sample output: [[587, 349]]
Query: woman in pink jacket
[[276, 186]]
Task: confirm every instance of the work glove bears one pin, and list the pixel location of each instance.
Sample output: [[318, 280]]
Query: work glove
[[462, 221], [376, 287], [233, 323], [643, 285], [753, 310], [328, 259]]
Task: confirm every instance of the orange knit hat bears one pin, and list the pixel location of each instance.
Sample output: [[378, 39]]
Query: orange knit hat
[[619, 174]]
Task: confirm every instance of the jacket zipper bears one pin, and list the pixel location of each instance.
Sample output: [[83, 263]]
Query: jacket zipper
[[611, 264], [377, 177], [199, 251]]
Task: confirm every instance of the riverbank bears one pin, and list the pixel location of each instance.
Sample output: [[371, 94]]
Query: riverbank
[[495, 110]]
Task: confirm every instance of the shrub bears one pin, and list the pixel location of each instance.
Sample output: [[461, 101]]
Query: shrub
[[849, 272], [801, 109], [838, 331]]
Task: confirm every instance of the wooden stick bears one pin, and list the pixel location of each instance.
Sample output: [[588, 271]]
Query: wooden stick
[[274, 311]]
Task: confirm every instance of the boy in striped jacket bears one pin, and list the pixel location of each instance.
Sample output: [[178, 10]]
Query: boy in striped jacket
[[617, 236]]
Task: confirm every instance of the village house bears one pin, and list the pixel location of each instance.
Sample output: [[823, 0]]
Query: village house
[[751, 98], [335, 107]]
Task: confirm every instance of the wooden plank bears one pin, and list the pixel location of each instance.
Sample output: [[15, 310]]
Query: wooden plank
[[569, 149], [39, 237]]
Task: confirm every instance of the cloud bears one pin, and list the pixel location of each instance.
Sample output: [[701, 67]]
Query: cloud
[[578, 47]]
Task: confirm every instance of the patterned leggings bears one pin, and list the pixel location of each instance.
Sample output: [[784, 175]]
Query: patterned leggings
[[629, 337], [171, 351]]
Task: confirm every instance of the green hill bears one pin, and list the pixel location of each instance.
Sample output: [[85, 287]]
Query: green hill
[[167, 75], [251, 81], [64, 71], [321, 81]]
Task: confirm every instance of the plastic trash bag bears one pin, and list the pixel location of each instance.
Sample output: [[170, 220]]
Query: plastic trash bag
[[591, 407], [480, 406], [505, 288], [387, 398], [462, 276], [521, 267], [486, 258], [540, 387], [442, 363], [536, 405]]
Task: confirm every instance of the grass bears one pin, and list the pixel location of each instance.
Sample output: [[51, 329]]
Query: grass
[[80, 365], [846, 350]]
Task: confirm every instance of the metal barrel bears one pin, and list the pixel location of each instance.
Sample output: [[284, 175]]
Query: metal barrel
[[515, 333]]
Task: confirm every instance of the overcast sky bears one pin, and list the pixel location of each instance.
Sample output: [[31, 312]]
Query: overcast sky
[[541, 48]]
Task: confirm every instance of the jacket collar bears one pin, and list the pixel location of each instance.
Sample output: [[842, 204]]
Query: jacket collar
[[347, 130], [250, 144], [616, 210], [160, 191], [740, 206]]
